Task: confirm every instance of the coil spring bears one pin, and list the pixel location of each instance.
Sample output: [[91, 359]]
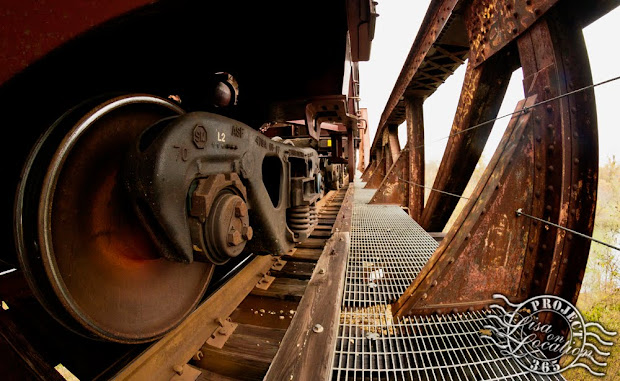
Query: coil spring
[[302, 218], [314, 217]]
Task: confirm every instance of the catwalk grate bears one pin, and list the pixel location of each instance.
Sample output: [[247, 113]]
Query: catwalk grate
[[374, 346], [388, 249]]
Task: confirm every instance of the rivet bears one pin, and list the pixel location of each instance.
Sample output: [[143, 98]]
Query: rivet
[[455, 310], [547, 89], [468, 236], [575, 134], [438, 312], [317, 328], [572, 211], [560, 283], [434, 283], [550, 126], [576, 161], [569, 237], [424, 296], [565, 260], [536, 282], [538, 166], [322, 271], [549, 108], [551, 147], [537, 11], [483, 211], [537, 194], [550, 168], [550, 188], [497, 187], [523, 289], [573, 110], [531, 247], [537, 119], [470, 309], [534, 223], [549, 208], [538, 138], [450, 260], [540, 265], [527, 272], [544, 247]]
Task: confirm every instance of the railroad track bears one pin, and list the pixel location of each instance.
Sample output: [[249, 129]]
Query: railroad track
[[263, 304]]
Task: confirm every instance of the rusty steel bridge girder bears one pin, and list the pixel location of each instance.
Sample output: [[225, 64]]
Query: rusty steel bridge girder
[[546, 164], [394, 188], [481, 97]]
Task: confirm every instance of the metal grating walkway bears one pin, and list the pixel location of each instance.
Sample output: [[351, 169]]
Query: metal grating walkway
[[388, 249]]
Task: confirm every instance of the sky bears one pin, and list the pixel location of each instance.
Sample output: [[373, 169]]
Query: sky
[[395, 31]]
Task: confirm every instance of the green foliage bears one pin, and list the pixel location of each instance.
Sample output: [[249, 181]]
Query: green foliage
[[604, 309], [599, 300]]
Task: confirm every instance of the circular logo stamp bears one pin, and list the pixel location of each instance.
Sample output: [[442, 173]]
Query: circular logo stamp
[[546, 335]]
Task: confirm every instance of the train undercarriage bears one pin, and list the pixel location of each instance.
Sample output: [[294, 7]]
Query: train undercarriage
[[171, 156], [127, 202]]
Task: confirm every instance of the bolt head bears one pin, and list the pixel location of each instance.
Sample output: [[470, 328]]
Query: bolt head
[[234, 238], [247, 233], [241, 210]]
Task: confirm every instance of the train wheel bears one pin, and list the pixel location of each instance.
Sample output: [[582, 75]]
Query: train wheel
[[84, 252]]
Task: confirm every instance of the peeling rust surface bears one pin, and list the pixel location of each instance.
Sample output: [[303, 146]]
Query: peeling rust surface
[[436, 18], [481, 97], [415, 143], [377, 176], [547, 165], [555, 62], [492, 24], [392, 189], [482, 253], [369, 170]]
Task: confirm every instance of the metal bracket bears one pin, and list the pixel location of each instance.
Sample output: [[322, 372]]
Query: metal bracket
[[278, 264], [265, 282], [220, 336], [186, 373]]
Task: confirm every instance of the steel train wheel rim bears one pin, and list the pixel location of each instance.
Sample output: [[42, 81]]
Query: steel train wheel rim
[[98, 259]]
